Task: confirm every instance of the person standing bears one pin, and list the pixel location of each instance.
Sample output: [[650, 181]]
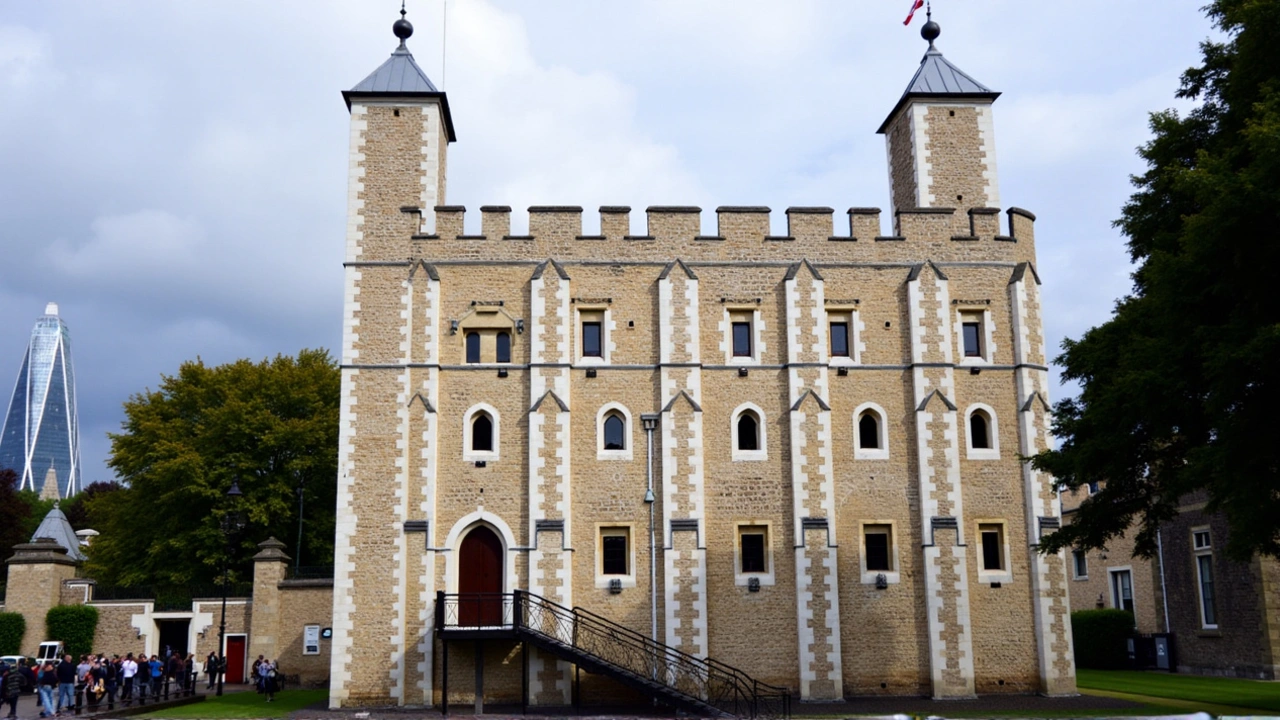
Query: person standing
[[11, 689], [66, 672], [128, 668], [269, 676], [157, 675], [47, 684], [211, 669]]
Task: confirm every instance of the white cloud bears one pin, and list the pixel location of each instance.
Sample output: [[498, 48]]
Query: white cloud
[[23, 53], [144, 247]]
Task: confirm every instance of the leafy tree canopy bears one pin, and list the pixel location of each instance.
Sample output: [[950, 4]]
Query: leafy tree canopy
[[14, 510], [1180, 388], [272, 425]]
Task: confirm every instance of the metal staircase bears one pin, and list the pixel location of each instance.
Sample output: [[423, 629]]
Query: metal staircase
[[700, 686]]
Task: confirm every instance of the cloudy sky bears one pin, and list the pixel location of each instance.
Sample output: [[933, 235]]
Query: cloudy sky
[[173, 173]]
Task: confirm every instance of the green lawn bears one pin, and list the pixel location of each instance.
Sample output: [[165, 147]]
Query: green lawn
[[245, 705], [1256, 694]]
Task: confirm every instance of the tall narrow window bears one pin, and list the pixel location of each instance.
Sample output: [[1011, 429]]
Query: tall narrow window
[[591, 341], [1122, 590], [840, 338], [748, 431], [473, 347], [1081, 564], [482, 433], [979, 431], [504, 347], [614, 551], [992, 537], [869, 431], [615, 430], [971, 333], [742, 339], [1202, 543], [879, 544], [752, 544]]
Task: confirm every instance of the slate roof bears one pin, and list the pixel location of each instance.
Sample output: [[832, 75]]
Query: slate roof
[[938, 78], [56, 527], [400, 76]]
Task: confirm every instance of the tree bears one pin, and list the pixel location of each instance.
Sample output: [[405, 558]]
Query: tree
[[76, 507], [13, 517], [269, 425], [1181, 386]]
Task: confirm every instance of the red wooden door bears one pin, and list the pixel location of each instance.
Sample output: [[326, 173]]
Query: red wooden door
[[480, 579], [235, 660]]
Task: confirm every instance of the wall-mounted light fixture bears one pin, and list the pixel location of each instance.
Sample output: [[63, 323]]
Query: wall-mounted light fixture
[[520, 326], [882, 581], [453, 327], [615, 586]]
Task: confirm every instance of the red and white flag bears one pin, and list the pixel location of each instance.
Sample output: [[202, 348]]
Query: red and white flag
[[915, 5]]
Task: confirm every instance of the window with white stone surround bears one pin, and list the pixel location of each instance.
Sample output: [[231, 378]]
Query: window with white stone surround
[[753, 553], [615, 554], [993, 551], [613, 433], [974, 336], [870, 433], [747, 433], [982, 441], [480, 433], [879, 552], [843, 336], [742, 343], [593, 346]]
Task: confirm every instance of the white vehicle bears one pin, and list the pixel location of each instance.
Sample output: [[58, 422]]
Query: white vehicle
[[50, 650], [10, 660]]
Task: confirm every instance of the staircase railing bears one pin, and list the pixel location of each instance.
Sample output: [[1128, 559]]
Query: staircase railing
[[644, 661]]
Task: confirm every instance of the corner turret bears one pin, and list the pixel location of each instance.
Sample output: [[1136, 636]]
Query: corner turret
[[941, 140]]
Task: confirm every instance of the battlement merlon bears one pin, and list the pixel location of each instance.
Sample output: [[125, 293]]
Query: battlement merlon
[[743, 235]]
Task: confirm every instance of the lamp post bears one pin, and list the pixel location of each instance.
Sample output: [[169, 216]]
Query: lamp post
[[297, 550], [650, 421], [232, 523]]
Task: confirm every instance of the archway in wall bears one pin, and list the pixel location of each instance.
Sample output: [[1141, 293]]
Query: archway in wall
[[480, 573]]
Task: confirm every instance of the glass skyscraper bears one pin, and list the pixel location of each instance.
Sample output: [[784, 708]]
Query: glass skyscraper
[[41, 430]]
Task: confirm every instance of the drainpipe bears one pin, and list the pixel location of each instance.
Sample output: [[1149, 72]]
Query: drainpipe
[[650, 421], [1164, 596]]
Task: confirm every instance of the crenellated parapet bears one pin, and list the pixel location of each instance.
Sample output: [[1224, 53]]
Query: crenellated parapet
[[742, 234]]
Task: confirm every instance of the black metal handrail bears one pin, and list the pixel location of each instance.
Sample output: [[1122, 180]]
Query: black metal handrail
[[704, 681]]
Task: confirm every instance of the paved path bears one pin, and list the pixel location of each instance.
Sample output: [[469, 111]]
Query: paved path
[[27, 709]]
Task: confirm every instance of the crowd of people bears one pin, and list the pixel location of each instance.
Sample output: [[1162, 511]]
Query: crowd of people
[[100, 677], [116, 679]]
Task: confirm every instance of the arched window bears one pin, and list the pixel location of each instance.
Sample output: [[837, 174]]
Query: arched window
[[980, 430], [504, 347], [869, 431], [748, 431], [615, 432], [473, 347], [482, 433]]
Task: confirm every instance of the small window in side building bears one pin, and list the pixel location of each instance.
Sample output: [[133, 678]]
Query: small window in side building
[[473, 347], [979, 430], [752, 542], [879, 548], [614, 551], [748, 431], [742, 339], [1081, 563], [992, 537], [840, 338], [591, 340], [1093, 488], [869, 431], [504, 347], [614, 432], [482, 433], [971, 325]]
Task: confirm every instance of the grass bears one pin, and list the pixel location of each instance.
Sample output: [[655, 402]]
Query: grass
[[244, 705], [1252, 694]]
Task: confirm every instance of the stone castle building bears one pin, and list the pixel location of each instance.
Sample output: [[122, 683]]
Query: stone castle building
[[835, 420]]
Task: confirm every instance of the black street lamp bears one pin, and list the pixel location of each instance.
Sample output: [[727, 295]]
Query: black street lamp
[[232, 523], [297, 551]]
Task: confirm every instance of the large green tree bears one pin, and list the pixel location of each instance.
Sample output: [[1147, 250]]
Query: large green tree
[[13, 516], [1180, 389], [270, 425]]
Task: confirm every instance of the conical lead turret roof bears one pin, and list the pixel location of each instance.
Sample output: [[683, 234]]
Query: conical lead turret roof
[[401, 77], [939, 78], [56, 527]]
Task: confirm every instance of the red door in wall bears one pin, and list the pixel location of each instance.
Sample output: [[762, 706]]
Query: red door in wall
[[480, 579], [235, 660]]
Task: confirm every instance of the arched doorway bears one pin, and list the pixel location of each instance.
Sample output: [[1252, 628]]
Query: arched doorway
[[480, 574]]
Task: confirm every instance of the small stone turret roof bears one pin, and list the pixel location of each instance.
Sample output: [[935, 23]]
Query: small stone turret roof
[[938, 78], [56, 527]]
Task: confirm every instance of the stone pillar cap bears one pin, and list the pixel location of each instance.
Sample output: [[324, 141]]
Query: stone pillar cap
[[43, 551], [271, 550]]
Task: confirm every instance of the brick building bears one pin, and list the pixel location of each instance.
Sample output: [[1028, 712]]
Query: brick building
[[834, 420]]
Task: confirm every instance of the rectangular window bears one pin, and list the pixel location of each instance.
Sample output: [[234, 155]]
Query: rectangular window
[[1201, 540], [742, 339], [1081, 561], [992, 537], [591, 341], [751, 540], [1093, 488], [972, 326], [840, 338], [615, 552], [1208, 607], [879, 544], [1122, 590]]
